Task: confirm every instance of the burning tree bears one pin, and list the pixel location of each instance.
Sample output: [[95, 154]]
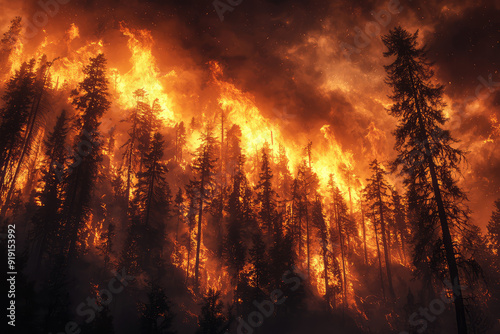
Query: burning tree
[[339, 223], [18, 100], [92, 100], [9, 43], [494, 228], [202, 186], [377, 194], [47, 228], [212, 319]]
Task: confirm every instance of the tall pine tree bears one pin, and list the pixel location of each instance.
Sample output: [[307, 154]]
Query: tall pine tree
[[426, 153], [91, 100]]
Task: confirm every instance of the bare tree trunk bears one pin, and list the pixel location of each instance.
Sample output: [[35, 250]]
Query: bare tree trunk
[[325, 265], [342, 253], [384, 242], [364, 235], [379, 257], [447, 240], [35, 108], [198, 235], [307, 243]]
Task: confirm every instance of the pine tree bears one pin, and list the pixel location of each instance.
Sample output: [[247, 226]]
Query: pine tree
[[493, 252], [9, 42], [156, 317], [494, 229], [132, 150], [284, 179], [379, 256], [363, 210], [265, 195], [106, 245], [399, 223], [212, 319], [378, 197], [348, 172], [91, 100], [152, 205], [233, 148], [180, 141], [339, 222], [18, 99], [46, 222], [102, 324], [39, 107], [179, 209], [257, 257], [203, 185], [149, 124], [426, 155], [308, 185], [295, 226], [189, 239], [152, 196], [234, 247], [318, 220]]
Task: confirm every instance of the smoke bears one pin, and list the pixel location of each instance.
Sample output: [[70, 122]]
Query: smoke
[[291, 54]]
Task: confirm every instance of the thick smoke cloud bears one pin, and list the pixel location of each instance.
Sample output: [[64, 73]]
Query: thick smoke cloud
[[288, 55]]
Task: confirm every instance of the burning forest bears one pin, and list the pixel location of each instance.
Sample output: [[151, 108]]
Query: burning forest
[[235, 167]]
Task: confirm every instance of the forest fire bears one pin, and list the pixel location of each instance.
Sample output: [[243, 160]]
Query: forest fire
[[286, 189]]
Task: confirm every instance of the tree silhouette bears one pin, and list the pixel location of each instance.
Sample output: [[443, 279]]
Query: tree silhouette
[[18, 99], [180, 141], [151, 206], [33, 123], [339, 225], [8, 44], [318, 221], [132, 150], [257, 257], [234, 247], [156, 317], [91, 99], [47, 229], [426, 155], [308, 184], [494, 228], [377, 195], [202, 186], [266, 197], [212, 318]]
